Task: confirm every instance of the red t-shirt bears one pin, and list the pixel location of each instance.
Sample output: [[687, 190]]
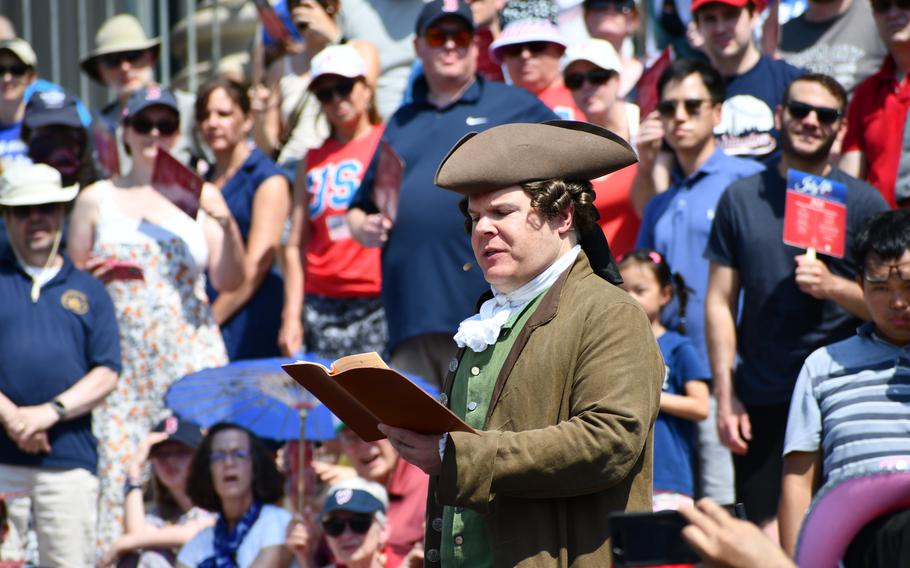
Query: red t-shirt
[[407, 508], [336, 265], [559, 98], [875, 126], [617, 216], [488, 68]]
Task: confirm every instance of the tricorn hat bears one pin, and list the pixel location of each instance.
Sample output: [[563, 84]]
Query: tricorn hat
[[512, 154]]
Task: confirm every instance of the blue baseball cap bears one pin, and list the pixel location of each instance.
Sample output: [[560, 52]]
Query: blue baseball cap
[[356, 495], [149, 96], [438, 9]]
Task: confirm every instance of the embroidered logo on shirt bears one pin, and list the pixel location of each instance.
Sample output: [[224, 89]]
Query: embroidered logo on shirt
[[475, 120], [75, 301]]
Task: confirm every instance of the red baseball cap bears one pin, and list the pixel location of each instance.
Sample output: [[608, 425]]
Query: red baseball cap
[[760, 5]]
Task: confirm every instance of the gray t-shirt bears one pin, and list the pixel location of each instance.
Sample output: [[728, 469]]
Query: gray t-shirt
[[847, 47]]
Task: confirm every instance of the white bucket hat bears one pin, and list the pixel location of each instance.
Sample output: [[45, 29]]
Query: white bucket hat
[[34, 184], [525, 31]]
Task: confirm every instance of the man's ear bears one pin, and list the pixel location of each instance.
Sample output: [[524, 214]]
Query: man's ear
[[566, 219]]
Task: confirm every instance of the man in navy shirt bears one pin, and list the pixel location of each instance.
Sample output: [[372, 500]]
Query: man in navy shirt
[[677, 222], [793, 303], [755, 82], [429, 277], [61, 357]]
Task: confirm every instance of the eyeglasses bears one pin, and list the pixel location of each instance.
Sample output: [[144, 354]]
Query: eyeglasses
[[667, 107], [596, 77], [22, 212], [437, 37], [114, 59], [359, 523], [16, 69], [516, 49], [826, 115], [902, 271], [342, 88], [235, 455], [882, 6], [165, 127]]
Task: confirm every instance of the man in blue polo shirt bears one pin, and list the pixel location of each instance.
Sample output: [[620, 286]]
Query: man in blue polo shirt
[[429, 277], [61, 357], [677, 222]]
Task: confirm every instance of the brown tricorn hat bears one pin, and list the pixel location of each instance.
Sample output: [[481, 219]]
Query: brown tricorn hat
[[511, 154]]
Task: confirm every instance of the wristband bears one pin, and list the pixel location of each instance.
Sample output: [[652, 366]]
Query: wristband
[[131, 486]]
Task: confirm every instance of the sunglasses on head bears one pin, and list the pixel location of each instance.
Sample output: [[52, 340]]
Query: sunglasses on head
[[114, 59], [25, 211], [341, 88], [667, 107], [596, 77], [882, 6], [437, 37], [516, 49], [359, 523], [166, 126], [826, 115], [16, 69]]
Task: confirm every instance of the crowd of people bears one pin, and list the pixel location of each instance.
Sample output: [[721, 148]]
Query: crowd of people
[[322, 228]]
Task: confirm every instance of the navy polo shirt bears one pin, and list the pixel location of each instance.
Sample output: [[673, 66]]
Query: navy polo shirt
[[430, 280], [677, 223], [49, 346]]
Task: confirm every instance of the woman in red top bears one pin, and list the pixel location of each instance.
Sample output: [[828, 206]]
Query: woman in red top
[[339, 278]]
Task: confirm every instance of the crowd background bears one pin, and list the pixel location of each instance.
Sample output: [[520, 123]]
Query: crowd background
[[303, 244]]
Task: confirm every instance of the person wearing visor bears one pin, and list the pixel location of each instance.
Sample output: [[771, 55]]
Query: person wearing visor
[[562, 396], [54, 135], [60, 323], [353, 520], [530, 51], [591, 72]]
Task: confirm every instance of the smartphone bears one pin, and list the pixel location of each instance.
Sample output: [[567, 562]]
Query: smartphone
[[653, 539], [123, 270]]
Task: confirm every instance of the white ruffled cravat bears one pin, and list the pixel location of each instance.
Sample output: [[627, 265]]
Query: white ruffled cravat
[[482, 329]]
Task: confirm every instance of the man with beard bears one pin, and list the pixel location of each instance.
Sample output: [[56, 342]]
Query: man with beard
[[793, 303]]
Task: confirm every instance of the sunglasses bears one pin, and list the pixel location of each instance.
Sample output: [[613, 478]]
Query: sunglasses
[[236, 455], [902, 271], [596, 77], [342, 88], [667, 107], [437, 37], [165, 127], [882, 6], [22, 212], [826, 115], [516, 49], [16, 69], [359, 523], [114, 59]]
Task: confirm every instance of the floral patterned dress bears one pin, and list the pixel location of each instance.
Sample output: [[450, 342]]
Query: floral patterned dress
[[166, 331]]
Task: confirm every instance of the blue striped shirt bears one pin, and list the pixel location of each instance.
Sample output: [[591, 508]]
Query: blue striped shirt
[[851, 403]]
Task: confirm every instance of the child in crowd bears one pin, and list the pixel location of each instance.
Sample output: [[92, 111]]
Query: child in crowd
[[849, 406], [684, 400]]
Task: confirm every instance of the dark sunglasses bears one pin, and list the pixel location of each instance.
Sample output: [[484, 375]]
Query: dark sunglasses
[[516, 49], [826, 115], [165, 127], [22, 212], [16, 69], [342, 88], [114, 59], [882, 6], [667, 107], [437, 37], [359, 523], [596, 77]]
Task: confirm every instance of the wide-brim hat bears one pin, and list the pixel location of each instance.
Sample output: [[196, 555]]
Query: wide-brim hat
[[525, 31], [21, 49], [510, 154], [34, 184], [117, 34], [596, 51]]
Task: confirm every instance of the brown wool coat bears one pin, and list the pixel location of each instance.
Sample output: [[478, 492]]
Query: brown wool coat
[[568, 438]]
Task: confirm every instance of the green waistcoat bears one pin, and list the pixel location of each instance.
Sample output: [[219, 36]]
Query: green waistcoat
[[464, 537]]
